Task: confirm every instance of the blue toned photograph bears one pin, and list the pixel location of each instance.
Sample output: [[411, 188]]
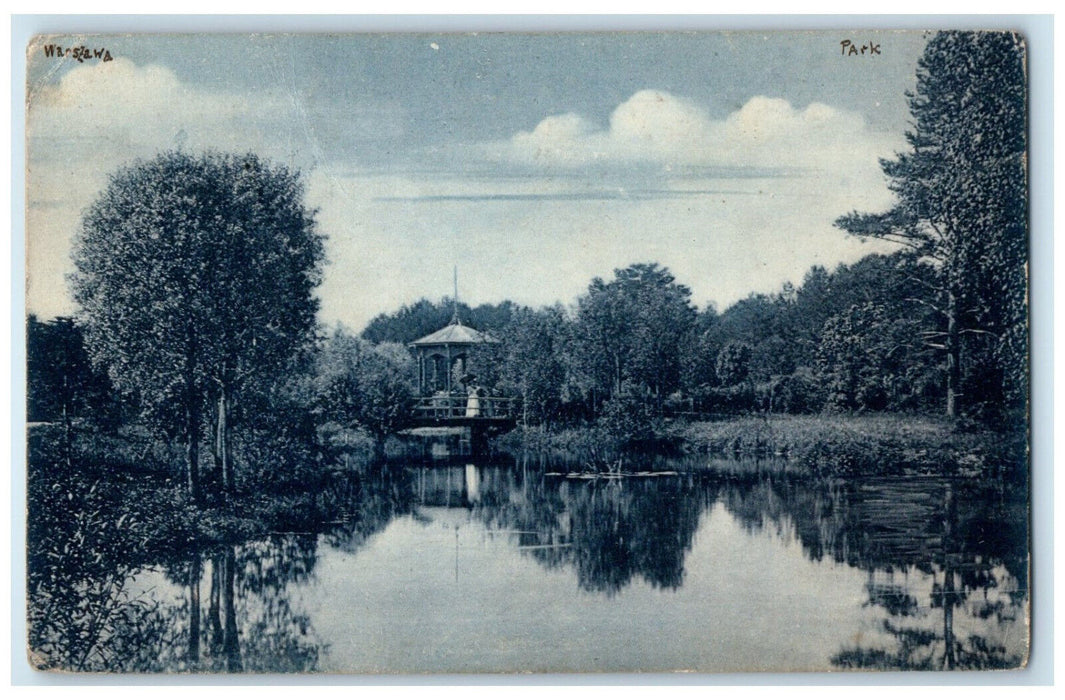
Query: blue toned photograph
[[514, 352]]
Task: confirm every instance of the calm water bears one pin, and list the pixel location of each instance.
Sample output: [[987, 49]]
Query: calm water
[[499, 568]]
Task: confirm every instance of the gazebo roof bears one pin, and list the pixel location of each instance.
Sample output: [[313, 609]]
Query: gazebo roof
[[454, 334]]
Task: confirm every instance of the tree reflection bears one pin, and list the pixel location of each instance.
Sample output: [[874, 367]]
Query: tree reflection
[[216, 608], [250, 622], [620, 530], [967, 591], [365, 505], [946, 560], [607, 531], [274, 635]]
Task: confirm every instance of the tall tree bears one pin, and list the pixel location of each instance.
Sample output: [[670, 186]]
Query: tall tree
[[60, 381], [734, 363], [633, 328], [699, 352], [196, 274], [961, 192], [531, 363]]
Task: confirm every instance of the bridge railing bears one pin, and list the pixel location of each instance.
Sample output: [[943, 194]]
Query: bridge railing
[[445, 407]]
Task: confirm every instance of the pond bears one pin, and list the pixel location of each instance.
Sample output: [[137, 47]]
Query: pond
[[477, 567]]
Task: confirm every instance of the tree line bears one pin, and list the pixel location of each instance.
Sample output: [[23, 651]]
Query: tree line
[[849, 339], [196, 274]]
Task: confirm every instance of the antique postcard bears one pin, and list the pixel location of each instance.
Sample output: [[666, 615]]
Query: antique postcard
[[569, 352]]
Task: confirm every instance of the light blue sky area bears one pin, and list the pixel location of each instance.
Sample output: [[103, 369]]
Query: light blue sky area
[[533, 162]]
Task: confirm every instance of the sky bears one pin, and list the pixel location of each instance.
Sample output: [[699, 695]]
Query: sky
[[532, 162]]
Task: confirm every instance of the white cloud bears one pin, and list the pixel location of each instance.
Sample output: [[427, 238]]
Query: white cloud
[[655, 127], [535, 239], [655, 124], [552, 140]]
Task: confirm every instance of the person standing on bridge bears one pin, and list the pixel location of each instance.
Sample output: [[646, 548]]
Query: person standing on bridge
[[473, 402]]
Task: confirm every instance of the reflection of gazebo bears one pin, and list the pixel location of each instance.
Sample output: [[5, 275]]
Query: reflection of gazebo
[[443, 356]]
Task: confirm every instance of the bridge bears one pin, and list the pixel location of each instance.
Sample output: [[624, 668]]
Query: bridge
[[473, 419], [461, 411]]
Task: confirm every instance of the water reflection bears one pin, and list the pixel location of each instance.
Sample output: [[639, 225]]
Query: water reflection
[[365, 505], [944, 564], [946, 560], [253, 621], [608, 531], [248, 620]]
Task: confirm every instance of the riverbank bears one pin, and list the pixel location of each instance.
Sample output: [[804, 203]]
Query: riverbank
[[127, 494], [861, 444], [832, 445]]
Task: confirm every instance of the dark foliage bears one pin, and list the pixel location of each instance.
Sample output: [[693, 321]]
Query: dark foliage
[[61, 383], [424, 317], [961, 194]]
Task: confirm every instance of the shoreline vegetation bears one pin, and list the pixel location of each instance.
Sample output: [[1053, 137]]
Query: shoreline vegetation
[[869, 445], [813, 446], [138, 480]]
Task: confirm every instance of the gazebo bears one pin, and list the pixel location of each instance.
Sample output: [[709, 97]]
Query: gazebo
[[443, 356]]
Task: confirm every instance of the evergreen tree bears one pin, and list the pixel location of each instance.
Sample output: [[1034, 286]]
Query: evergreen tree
[[961, 192]]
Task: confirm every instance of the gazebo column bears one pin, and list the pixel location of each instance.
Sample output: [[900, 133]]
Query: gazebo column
[[448, 368]]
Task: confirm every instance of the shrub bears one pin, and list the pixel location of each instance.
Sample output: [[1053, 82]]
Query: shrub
[[799, 392]]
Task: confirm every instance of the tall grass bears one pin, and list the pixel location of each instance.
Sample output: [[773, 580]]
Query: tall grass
[[843, 444]]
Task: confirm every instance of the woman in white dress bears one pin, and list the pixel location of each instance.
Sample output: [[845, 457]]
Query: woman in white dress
[[473, 402]]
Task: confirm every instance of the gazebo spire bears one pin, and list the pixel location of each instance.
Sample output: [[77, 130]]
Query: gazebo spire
[[455, 300]]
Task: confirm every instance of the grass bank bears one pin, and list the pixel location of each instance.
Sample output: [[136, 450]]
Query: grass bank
[[841, 444], [135, 487]]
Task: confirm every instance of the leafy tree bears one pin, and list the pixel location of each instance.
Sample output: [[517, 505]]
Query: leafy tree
[[628, 418], [527, 362], [699, 353], [632, 329], [961, 194], [753, 319], [278, 437], [799, 392], [195, 274], [411, 322], [492, 317], [360, 385], [813, 305], [423, 317], [872, 359], [735, 391], [771, 358], [734, 363], [853, 378]]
